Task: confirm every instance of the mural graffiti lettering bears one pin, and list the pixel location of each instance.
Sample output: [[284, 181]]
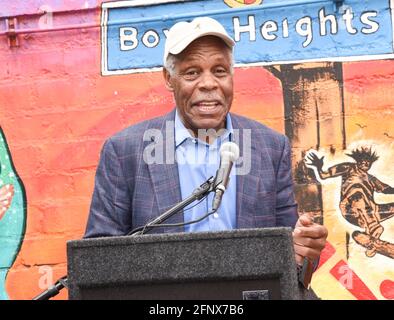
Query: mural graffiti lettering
[[268, 30], [133, 42]]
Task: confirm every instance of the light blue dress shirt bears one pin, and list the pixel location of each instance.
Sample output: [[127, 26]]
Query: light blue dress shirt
[[198, 161]]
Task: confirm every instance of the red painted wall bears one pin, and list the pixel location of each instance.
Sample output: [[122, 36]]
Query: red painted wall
[[56, 111]]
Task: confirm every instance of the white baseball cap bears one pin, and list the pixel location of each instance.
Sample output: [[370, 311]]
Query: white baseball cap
[[183, 33]]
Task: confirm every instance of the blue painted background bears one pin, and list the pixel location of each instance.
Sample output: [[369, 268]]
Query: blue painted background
[[342, 44]]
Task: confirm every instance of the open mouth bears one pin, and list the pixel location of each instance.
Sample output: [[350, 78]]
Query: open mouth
[[207, 106]]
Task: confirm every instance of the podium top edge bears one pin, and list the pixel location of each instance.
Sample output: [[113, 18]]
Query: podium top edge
[[184, 236]]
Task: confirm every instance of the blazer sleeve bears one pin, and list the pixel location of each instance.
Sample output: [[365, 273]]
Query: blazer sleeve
[[286, 206], [110, 209]]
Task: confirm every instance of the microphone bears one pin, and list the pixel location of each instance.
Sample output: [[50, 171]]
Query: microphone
[[229, 153]]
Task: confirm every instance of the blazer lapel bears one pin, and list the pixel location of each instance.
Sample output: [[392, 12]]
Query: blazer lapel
[[164, 176], [247, 185]]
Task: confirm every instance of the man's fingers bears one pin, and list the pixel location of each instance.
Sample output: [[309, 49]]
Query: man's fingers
[[315, 231], [304, 220], [312, 236], [307, 252], [299, 259], [317, 244], [309, 240]]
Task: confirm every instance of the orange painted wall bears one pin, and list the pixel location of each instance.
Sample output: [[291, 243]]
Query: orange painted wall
[[56, 111]]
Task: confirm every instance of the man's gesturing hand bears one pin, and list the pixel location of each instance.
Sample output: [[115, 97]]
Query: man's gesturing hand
[[309, 239]]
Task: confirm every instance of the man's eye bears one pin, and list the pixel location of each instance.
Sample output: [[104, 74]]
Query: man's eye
[[221, 71], [191, 74]]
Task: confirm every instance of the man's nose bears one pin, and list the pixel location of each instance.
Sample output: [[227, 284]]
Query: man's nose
[[207, 81]]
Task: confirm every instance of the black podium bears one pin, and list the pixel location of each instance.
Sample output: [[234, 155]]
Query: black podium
[[246, 264]]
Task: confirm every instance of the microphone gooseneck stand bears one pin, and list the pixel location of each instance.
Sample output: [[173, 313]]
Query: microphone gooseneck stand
[[199, 193], [53, 290]]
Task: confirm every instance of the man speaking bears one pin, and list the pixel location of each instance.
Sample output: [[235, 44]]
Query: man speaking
[[131, 191]]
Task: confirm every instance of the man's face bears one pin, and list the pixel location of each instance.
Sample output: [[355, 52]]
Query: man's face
[[202, 84]]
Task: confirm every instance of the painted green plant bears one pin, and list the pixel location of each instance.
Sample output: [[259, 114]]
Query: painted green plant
[[12, 213]]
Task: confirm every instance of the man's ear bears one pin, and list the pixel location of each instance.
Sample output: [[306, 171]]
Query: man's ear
[[167, 80]]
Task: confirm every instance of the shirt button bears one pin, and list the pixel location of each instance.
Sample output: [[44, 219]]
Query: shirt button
[[216, 215], [194, 140]]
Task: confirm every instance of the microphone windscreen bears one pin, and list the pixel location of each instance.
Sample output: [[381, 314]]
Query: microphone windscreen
[[229, 150]]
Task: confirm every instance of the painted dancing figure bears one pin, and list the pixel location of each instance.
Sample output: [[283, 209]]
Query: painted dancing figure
[[357, 202]]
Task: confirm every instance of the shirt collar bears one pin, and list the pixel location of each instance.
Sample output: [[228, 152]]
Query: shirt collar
[[182, 134]]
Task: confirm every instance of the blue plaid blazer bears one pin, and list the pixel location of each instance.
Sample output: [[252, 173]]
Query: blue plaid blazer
[[129, 193]]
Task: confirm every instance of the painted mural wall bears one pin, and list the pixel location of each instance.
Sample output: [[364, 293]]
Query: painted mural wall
[[319, 71]]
